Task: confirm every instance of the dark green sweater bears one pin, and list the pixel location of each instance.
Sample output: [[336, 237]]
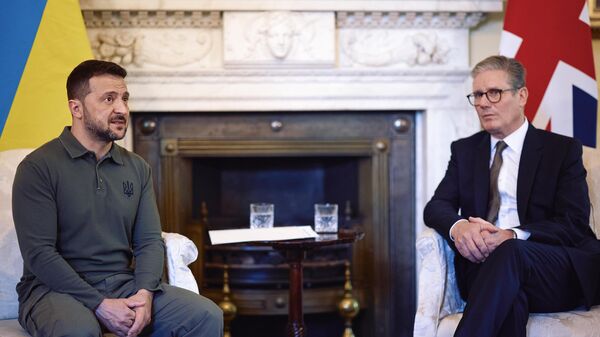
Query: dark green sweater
[[79, 221]]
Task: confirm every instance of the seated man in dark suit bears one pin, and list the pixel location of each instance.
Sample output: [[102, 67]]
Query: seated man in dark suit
[[514, 205]]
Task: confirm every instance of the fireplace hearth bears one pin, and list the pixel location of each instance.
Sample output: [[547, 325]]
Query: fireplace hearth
[[208, 168]]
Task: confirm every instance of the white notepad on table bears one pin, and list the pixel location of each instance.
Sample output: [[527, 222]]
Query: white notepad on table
[[218, 237]]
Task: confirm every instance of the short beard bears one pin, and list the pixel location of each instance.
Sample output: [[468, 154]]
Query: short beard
[[106, 134]]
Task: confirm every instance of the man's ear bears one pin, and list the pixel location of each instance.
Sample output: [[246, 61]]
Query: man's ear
[[523, 95], [76, 108]]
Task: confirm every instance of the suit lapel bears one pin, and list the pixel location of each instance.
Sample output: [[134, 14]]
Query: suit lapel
[[481, 177], [530, 158]]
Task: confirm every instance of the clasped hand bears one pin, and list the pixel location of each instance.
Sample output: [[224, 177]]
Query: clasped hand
[[126, 317], [476, 238]]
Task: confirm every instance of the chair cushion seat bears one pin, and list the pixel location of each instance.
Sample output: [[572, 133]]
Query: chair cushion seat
[[576, 323], [11, 328]]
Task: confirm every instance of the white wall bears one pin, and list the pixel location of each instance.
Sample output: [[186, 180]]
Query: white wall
[[484, 39]]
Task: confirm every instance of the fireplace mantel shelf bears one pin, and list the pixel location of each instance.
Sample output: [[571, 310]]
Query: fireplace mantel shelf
[[297, 5]]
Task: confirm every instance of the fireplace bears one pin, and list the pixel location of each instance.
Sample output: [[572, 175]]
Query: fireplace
[[375, 86], [208, 167]]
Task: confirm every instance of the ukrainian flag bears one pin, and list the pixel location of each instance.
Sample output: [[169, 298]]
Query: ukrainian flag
[[42, 41]]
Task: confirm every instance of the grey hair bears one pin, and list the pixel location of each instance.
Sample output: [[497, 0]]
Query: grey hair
[[515, 70]]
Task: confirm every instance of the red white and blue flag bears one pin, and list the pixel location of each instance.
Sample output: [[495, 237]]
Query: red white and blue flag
[[553, 40]]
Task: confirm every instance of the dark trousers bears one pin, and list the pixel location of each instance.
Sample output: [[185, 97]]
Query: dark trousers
[[519, 277], [175, 312]]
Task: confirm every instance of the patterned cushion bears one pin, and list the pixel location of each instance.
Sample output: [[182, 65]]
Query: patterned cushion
[[181, 251], [576, 323], [591, 160], [12, 263]]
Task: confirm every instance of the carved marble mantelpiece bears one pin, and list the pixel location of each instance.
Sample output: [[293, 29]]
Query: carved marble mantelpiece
[[301, 55], [255, 55]]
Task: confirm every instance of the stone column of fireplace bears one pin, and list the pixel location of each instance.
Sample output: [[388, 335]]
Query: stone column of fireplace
[[299, 55]]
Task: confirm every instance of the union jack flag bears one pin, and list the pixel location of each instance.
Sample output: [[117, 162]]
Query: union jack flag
[[553, 40]]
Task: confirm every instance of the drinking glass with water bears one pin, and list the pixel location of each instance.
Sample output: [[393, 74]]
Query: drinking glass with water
[[326, 218], [262, 215]]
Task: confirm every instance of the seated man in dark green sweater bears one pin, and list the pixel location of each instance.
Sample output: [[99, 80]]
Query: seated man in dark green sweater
[[84, 208]]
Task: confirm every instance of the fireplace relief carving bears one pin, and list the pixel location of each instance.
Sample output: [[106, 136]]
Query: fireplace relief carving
[[377, 48], [278, 38], [142, 49]]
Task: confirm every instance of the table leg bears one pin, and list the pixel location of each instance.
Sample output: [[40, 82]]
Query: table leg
[[296, 318]]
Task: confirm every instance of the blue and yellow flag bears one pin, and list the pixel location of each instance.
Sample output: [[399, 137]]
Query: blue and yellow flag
[[42, 42]]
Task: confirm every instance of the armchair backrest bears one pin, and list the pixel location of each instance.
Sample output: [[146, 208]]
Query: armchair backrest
[[12, 263], [591, 161]]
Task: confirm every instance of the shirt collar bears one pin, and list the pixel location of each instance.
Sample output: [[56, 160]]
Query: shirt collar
[[515, 140], [76, 150], [115, 154]]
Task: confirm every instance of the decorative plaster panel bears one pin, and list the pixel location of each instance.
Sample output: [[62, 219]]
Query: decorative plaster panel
[[278, 39], [400, 48], [158, 48]]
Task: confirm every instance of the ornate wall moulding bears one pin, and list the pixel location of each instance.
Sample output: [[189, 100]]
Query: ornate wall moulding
[[278, 39], [151, 18], [296, 89], [393, 48], [408, 19], [267, 76], [119, 47], [156, 48], [299, 5]]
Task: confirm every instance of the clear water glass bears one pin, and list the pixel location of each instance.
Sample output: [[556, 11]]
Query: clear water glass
[[262, 215], [326, 218]]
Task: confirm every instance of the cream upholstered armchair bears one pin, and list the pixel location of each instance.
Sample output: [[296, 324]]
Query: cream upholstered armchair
[[180, 251], [439, 305]]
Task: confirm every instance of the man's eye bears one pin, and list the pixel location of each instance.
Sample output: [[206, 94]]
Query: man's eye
[[494, 92], [108, 99], [477, 94]]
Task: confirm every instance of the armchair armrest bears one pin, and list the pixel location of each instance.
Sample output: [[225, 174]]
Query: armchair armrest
[[180, 252], [437, 291]]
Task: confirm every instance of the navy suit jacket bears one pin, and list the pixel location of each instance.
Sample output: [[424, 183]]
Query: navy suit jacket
[[552, 197]]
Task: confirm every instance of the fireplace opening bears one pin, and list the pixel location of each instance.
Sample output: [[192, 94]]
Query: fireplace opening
[[225, 187], [292, 184]]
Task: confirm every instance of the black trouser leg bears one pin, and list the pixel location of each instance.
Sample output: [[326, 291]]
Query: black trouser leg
[[519, 277]]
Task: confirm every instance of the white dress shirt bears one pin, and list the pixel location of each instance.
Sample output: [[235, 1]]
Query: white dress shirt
[[508, 216]]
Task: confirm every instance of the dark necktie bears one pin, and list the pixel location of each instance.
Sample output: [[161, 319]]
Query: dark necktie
[[494, 205]]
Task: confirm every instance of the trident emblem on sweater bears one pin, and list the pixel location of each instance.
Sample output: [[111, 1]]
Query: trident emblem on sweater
[[128, 188]]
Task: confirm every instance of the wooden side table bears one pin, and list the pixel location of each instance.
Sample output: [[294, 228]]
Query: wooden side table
[[294, 252]]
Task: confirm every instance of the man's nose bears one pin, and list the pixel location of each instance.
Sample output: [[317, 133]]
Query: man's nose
[[121, 107]]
